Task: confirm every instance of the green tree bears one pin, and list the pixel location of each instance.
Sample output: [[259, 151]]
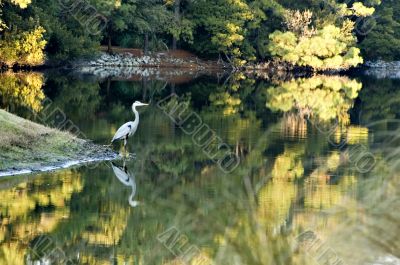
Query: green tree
[[150, 18], [180, 26], [120, 15], [383, 41], [225, 21]]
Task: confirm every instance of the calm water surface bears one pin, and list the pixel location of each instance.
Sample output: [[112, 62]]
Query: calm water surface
[[317, 181]]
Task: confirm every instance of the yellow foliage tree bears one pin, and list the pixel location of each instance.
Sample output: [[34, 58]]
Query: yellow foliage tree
[[24, 48], [329, 47]]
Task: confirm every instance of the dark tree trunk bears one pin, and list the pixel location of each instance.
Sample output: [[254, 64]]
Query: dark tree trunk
[[109, 49], [146, 43], [177, 15], [108, 85], [144, 87], [174, 43]]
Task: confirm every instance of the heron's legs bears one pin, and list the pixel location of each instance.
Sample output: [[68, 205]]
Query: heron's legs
[[125, 142]]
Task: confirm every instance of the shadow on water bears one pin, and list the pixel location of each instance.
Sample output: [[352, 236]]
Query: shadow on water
[[317, 180]]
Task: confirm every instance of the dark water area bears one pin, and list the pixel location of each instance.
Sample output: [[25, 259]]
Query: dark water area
[[316, 179]]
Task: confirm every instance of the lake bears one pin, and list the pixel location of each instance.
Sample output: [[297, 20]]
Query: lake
[[224, 169]]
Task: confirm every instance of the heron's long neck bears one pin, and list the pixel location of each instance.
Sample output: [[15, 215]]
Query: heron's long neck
[[136, 115], [131, 200]]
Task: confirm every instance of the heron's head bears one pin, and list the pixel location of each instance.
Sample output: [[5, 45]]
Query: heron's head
[[138, 104]]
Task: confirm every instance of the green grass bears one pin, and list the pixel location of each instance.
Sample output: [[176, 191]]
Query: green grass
[[28, 145]]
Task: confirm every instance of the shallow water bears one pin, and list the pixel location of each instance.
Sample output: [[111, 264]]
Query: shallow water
[[316, 178]]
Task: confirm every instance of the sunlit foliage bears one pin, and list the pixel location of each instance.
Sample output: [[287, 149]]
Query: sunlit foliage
[[329, 47], [320, 41], [26, 48], [21, 47], [236, 31], [21, 3]]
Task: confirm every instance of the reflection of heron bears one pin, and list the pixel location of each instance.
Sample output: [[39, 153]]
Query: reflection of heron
[[129, 128], [127, 179]]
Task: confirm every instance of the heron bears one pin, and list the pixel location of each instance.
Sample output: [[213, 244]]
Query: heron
[[127, 179], [128, 129]]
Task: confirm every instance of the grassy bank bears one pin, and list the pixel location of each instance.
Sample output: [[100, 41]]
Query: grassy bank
[[28, 146]]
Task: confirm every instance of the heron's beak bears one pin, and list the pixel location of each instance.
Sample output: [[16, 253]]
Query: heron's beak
[[144, 104]]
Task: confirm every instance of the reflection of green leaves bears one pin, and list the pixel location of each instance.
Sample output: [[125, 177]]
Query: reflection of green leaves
[[229, 97], [380, 99], [172, 159], [322, 97], [75, 97]]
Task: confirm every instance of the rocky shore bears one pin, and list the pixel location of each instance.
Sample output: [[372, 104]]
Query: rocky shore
[[128, 65], [382, 69], [156, 60]]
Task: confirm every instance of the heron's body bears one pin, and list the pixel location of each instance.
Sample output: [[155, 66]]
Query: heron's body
[[125, 131], [128, 129]]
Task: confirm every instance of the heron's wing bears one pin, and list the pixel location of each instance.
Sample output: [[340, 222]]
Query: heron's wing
[[121, 175], [123, 131]]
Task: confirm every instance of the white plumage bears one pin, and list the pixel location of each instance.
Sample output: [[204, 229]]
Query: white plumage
[[127, 179], [128, 129]]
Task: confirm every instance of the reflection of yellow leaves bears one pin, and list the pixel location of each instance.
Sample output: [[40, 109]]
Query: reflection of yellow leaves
[[18, 202], [109, 229], [277, 196], [323, 97], [22, 89], [12, 254], [288, 166], [333, 161], [275, 200], [356, 135], [321, 195], [229, 103]]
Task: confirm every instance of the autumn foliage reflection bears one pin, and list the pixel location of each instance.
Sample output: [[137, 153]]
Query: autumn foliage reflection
[[22, 90]]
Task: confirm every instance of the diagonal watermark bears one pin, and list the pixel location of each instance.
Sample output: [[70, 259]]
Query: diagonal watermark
[[177, 109]]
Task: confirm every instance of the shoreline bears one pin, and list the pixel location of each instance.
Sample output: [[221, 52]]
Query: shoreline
[[27, 147], [55, 167], [184, 61]]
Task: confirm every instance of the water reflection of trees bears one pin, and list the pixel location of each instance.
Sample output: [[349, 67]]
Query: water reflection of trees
[[32, 208], [380, 99], [78, 99], [22, 90], [320, 97], [286, 182], [211, 208]]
